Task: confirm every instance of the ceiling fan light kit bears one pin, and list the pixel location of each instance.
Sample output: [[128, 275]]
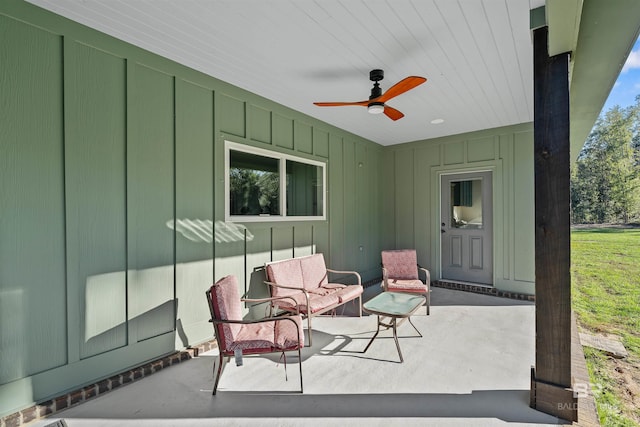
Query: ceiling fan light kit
[[376, 102], [376, 108]]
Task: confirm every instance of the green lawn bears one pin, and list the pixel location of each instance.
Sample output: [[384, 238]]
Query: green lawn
[[606, 298]]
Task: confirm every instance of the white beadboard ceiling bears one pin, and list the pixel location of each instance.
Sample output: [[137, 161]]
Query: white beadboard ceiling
[[476, 54]]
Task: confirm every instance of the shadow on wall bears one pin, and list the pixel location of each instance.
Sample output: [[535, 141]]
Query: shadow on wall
[[158, 312], [256, 290], [150, 290], [198, 230], [147, 295]]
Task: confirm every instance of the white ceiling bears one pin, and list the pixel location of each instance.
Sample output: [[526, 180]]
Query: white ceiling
[[476, 54]]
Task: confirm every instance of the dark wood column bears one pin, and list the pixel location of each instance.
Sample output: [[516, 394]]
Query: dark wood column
[[551, 377]]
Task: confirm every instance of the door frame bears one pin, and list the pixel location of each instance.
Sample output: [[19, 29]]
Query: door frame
[[437, 172], [486, 276]]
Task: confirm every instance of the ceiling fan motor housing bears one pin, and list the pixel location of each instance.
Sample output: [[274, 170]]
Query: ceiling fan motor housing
[[375, 76]]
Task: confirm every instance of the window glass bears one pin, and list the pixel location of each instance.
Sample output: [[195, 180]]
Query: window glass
[[304, 189], [466, 204], [262, 183], [254, 184]]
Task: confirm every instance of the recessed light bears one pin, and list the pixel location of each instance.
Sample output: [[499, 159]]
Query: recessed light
[[437, 121]]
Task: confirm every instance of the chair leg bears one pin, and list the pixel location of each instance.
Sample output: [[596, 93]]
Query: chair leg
[[309, 328], [428, 300], [221, 363], [300, 363]]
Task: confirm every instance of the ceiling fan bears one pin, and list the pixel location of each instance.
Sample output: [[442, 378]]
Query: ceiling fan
[[376, 103]]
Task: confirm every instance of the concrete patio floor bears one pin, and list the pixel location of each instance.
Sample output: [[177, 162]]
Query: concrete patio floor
[[471, 368]]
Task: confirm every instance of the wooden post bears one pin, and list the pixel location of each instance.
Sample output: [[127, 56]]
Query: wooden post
[[551, 378]]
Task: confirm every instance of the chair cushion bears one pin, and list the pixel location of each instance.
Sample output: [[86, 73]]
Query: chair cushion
[[326, 289], [255, 338], [285, 273], [265, 337], [399, 285], [317, 302], [286, 334], [226, 306], [347, 293], [320, 302], [314, 271], [401, 264]]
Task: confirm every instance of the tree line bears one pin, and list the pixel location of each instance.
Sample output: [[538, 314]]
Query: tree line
[[605, 180]]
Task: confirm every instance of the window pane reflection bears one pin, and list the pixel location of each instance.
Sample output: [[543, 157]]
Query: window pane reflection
[[466, 204], [304, 189], [254, 184]]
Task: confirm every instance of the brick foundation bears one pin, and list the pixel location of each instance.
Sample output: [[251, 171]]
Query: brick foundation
[[482, 289]]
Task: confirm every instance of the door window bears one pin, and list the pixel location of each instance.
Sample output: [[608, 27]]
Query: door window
[[466, 204]]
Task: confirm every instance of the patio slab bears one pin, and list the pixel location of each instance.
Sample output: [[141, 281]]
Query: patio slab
[[471, 368]]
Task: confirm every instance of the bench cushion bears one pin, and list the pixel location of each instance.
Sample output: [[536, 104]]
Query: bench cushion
[[285, 273], [316, 302], [347, 293], [314, 271]]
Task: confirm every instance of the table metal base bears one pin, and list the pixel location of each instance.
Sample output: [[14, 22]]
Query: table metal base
[[394, 324]]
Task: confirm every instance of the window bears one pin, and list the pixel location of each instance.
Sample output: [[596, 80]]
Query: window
[[263, 185], [466, 204]]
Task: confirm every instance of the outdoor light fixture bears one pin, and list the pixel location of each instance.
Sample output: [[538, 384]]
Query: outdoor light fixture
[[375, 108]]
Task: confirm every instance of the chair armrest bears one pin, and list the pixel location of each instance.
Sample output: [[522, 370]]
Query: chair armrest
[[385, 277], [247, 322], [304, 291], [355, 273], [272, 299], [427, 276], [301, 289]]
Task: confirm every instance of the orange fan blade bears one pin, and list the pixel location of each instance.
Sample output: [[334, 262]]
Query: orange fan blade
[[401, 87], [392, 113], [340, 104]]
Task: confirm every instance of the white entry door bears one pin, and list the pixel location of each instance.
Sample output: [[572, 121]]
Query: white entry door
[[466, 227]]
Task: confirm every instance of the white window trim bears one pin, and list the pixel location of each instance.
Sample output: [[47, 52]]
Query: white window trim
[[282, 158]]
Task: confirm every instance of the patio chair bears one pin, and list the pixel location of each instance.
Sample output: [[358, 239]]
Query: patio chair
[[400, 273], [238, 337]]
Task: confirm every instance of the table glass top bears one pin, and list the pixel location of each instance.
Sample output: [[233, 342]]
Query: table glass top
[[394, 303]]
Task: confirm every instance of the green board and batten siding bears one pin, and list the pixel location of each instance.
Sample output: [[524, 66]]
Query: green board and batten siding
[[415, 201], [95, 193], [32, 204], [111, 175], [112, 201]]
